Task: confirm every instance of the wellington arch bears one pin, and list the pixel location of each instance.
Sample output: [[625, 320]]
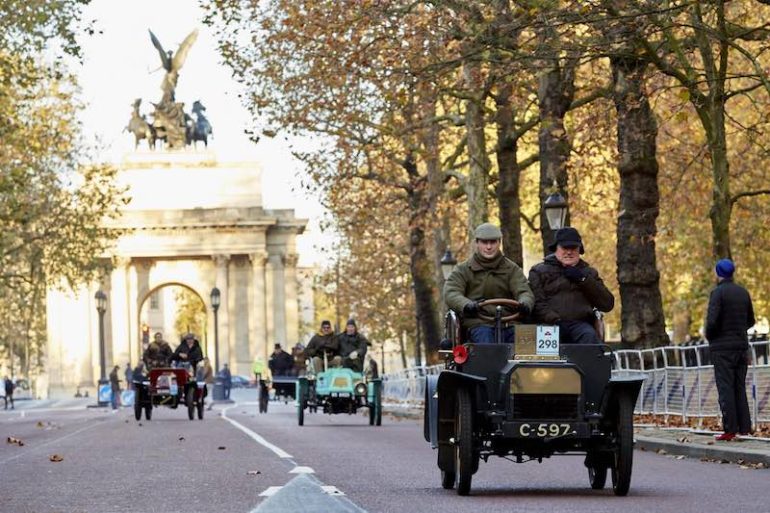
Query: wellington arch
[[198, 223]]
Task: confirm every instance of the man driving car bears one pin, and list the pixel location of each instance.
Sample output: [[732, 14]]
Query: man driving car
[[487, 274]]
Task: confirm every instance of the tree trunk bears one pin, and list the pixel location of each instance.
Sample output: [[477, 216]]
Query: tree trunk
[[478, 168], [721, 206], [508, 200], [419, 263], [556, 90], [642, 319]]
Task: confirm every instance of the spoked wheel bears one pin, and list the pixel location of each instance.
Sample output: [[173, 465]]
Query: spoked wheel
[[597, 476], [148, 412], [624, 449], [200, 407], [137, 408], [464, 453], [447, 480], [263, 397], [375, 409], [190, 400]]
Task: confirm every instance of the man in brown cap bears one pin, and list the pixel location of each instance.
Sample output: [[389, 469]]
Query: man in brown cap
[[324, 343], [487, 274]]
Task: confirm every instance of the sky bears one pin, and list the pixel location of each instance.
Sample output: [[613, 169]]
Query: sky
[[120, 64]]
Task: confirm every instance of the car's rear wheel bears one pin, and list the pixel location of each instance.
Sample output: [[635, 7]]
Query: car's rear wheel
[[464, 453], [189, 398], [137, 405], [624, 447], [375, 409], [447, 480], [201, 406], [148, 412]]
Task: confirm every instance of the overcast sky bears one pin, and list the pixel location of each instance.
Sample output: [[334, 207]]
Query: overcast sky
[[121, 64]]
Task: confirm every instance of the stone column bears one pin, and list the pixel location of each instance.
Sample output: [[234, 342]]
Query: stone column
[[276, 279], [134, 338], [258, 318], [291, 304], [117, 341], [222, 264]]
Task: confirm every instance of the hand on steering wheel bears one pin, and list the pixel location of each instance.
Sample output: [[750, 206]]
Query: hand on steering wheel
[[510, 303]]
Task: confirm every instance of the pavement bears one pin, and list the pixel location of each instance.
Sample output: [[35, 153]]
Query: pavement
[[690, 443]]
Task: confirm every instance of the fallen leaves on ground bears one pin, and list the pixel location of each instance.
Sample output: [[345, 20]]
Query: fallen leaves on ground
[[56, 458], [15, 441], [40, 424], [181, 438], [684, 439], [221, 447], [253, 472]]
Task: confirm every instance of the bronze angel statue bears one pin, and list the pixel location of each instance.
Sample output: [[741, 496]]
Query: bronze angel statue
[[172, 63]]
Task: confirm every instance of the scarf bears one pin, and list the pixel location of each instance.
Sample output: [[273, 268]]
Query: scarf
[[488, 263]]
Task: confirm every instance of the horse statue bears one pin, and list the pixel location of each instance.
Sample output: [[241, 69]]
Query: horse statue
[[200, 129], [139, 126]]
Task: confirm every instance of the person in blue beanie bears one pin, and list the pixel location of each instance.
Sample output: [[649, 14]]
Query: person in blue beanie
[[730, 315]]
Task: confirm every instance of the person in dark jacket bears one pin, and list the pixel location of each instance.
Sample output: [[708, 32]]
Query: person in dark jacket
[[730, 315], [158, 353], [298, 354], [189, 351], [353, 347], [487, 274], [567, 289], [281, 362], [114, 387], [9, 386], [324, 343], [227, 380]]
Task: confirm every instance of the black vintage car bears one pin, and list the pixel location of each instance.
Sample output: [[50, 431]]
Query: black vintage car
[[527, 401]]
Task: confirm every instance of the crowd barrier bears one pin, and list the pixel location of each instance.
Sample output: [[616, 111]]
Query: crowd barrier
[[680, 381]]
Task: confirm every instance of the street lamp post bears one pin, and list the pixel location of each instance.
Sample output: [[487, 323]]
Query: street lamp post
[[448, 263], [216, 297], [555, 207], [101, 307]]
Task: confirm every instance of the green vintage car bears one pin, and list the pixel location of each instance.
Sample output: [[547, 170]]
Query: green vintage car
[[339, 390]]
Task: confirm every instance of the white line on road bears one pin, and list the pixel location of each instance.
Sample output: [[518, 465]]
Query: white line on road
[[302, 470], [257, 438], [270, 491]]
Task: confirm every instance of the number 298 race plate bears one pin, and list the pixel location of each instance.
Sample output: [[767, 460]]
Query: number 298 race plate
[[547, 342]]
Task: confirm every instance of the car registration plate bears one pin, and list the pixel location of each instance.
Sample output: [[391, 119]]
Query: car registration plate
[[547, 341], [543, 429]]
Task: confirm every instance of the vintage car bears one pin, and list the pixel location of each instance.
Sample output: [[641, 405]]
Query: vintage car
[[339, 390], [527, 401], [285, 388], [169, 386]]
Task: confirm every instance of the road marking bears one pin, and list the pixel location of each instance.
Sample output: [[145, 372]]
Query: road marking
[[254, 436], [270, 491], [302, 470], [307, 494]]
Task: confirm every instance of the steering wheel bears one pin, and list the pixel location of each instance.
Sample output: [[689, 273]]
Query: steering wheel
[[510, 303]]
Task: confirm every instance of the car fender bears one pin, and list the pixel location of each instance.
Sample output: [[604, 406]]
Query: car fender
[[621, 386], [446, 390], [430, 416]]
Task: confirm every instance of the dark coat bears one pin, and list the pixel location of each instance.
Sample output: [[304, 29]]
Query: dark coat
[[730, 315], [114, 382], [470, 281], [322, 343], [9, 386], [281, 364], [350, 343], [194, 353], [559, 299], [157, 354]]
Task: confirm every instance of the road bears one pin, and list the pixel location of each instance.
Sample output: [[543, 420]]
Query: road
[[237, 460]]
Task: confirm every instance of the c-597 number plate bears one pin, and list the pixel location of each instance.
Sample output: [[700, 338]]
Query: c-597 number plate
[[543, 429], [547, 342]]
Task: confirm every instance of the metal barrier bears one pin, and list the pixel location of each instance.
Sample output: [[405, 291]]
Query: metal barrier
[[680, 381]]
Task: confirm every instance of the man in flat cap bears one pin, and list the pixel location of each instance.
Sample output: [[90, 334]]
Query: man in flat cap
[[567, 289], [324, 343], [487, 274]]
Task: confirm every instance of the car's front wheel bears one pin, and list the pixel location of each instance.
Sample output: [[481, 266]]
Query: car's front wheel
[[597, 476], [464, 453], [624, 447]]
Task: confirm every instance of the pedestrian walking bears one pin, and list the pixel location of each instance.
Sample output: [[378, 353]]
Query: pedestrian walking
[[129, 377], [730, 315], [115, 386], [9, 387], [227, 380]]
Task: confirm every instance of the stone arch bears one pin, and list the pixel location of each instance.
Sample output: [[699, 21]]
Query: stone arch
[[143, 297]]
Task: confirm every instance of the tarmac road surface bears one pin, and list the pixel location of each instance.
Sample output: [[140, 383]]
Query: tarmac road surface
[[237, 460]]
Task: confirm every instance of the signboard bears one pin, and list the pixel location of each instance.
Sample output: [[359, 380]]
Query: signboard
[[547, 341], [127, 397], [105, 393]]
